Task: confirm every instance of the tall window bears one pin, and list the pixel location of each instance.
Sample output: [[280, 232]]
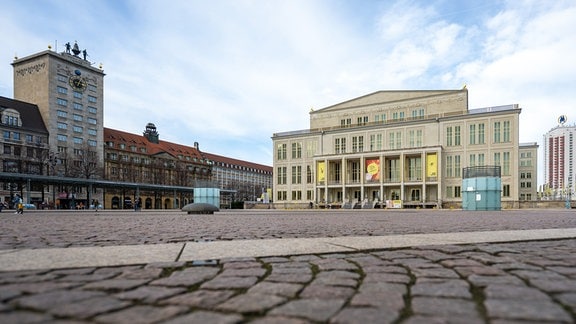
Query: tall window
[[449, 166], [496, 132], [481, 133], [419, 138], [297, 174], [378, 141], [497, 159], [297, 150], [415, 169], [357, 144], [481, 159], [506, 163], [411, 138], [457, 135], [281, 175], [449, 136], [506, 132], [308, 174], [337, 146], [457, 166], [472, 161], [472, 134], [281, 151]]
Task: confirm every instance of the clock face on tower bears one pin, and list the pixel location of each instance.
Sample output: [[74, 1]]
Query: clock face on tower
[[78, 83]]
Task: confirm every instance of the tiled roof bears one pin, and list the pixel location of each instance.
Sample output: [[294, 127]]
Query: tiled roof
[[173, 149], [29, 114], [231, 161]]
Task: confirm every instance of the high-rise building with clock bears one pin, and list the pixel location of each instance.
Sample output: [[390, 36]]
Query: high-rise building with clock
[[69, 92]]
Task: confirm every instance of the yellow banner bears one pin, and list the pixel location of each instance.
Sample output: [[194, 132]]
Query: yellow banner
[[321, 171], [373, 170], [431, 165]]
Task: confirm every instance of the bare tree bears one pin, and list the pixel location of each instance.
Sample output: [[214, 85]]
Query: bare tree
[[84, 163]]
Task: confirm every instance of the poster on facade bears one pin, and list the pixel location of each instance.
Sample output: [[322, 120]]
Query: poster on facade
[[431, 165], [321, 171], [373, 170]]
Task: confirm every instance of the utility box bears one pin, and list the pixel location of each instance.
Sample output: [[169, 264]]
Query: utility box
[[481, 188]]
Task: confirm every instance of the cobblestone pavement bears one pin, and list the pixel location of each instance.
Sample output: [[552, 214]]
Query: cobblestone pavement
[[41, 229], [480, 283], [519, 282]]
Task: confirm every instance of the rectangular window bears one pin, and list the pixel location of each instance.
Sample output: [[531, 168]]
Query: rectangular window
[[29, 138], [61, 113], [78, 106], [337, 147], [62, 102], [92, 131], [62, 125], [497, 159], [481, 159], [296, 174], [281, 151], [472, 161], [309, 174], [398, 140], [281, 175], [62, 90], [343, 145], [457, 135], [457, 166], [77, 140], [481, 133], [449, 192], [91, 121], [449, 166], [419, 138], [92, 110], [62, 138], [77, 117], [297, 150], [506, 163], [448, 136], [411, 138], [77, 95], [506, 135], [457, 192], [372, 142], [506, 190], [496, 132], [472, 134], [91, 99], [378, 141], [78, 129]]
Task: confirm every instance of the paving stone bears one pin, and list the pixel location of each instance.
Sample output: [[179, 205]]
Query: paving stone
[[241, 264], [87, 277], [383, 287], [447, 288], [538, 274], [566, 271], [479, 270], [279, 319], [223, 282], [457, 262], [38, 287], [276, 288], [243, 272], [450, 319], [24, 317], [188, 277], [251, 303], [201, 298], [326, 292], [444, 307], [365, 315], [392, 300], [337, 278], [144, 273], [89, 307], [527, 310], [334, 264], [375, 277], [52, 299], [567, 299], [435, 273], [312, 309], [305, 258], [166, 265], [275, 260], [431, 254], [115, 284], [514, 292], [289, 277], [150, 294], [554, 285], [206, 317], [142, 314], [483, 281], [7, 294]]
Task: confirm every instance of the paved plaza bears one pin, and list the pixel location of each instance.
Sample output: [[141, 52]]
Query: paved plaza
[[301, 266]]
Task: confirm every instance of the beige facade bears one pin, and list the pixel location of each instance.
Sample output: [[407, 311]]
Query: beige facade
[[405, 148], [528, 171], [69, 91]]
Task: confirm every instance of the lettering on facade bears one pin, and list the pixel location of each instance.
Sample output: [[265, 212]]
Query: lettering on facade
[[31, 69]]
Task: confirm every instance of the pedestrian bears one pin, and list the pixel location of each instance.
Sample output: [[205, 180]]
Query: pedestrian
[[96, 203], [19, 205]]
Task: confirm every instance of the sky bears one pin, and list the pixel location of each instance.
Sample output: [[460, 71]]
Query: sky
[[229, 73]]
